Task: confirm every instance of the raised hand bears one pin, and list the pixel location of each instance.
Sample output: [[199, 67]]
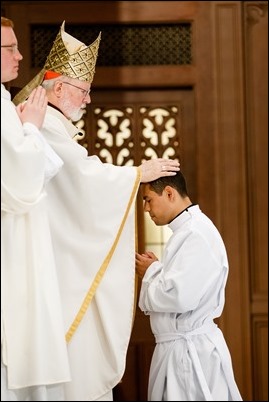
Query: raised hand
[[159, 167], [33, 111]]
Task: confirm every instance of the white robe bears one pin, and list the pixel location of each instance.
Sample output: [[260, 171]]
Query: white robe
[[183, 294], [33, 349], [87, 204]]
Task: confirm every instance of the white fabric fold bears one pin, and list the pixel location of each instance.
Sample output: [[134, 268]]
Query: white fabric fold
[[33, 347]]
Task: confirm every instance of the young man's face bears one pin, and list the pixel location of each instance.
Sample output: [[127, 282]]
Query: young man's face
[[10, 55], [158, 206]]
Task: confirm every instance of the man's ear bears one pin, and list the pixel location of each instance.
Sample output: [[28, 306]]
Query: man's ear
[[58, 88], [170, 192]]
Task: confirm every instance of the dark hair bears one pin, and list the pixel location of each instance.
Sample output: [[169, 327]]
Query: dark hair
[[178, 182]]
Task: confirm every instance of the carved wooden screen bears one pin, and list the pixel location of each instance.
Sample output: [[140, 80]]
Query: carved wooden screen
[[126, 134], [127, 127]]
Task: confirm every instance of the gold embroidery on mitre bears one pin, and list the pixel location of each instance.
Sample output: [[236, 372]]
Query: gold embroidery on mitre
[[73, 58], [69, 57]]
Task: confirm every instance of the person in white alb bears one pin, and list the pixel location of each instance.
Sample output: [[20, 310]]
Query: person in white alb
[[34, 359], [182, 294], [92, 218]]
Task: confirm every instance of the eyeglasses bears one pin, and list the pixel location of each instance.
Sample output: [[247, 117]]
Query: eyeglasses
[[84, 92], [14, 48]]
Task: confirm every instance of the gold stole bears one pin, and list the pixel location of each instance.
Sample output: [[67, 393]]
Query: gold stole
[[88, 298]]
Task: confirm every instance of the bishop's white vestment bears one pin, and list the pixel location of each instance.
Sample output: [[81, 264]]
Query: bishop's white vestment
[[183, 294], [34, 357], [92, 218]]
